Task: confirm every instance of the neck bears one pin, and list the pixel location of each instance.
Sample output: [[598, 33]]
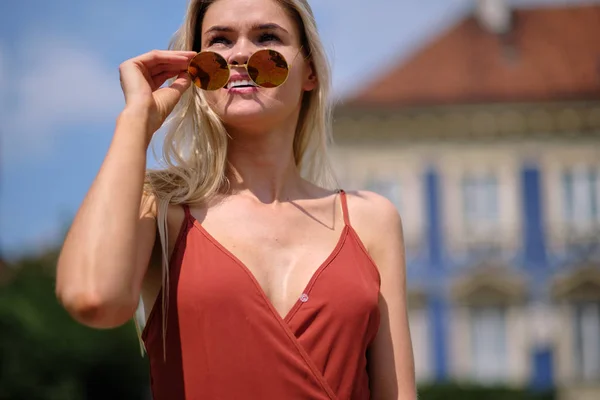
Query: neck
[[262, 163]]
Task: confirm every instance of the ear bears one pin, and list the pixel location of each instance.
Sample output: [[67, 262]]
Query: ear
[[310, 78]]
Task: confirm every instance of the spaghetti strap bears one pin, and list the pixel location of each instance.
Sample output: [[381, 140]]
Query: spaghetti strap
[[188, 214], [344, 207]]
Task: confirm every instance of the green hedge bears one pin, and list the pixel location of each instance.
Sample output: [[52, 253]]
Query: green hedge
[[453, 391], [46, 355]]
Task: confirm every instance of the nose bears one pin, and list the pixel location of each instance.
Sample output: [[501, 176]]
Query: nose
[[240, 55]]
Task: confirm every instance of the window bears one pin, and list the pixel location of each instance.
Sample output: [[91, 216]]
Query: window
[[581, 197], [488, 345], [388, 188], [587, 341], [421, 341], [480, 201]]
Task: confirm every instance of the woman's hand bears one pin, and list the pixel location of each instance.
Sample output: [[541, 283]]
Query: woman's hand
[[141, 80]]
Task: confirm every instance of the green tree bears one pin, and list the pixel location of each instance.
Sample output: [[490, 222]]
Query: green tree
[[45, 354]]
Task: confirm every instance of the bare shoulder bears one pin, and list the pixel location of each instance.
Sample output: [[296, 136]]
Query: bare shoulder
[[148, 206], [366, 201], [175, 217], [373, 214], [149, 210], [377, 223], [149, 224]]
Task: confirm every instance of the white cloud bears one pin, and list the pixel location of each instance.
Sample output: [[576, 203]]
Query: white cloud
[[59, 84]]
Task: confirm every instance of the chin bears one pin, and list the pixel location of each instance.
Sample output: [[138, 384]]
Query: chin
[[256, 110], [248, 119], [251, 114]]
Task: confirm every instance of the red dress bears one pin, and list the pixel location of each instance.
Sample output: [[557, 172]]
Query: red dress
[[226, 341]]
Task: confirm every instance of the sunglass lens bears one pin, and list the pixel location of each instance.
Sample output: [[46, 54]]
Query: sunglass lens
[[268, 68], [209, 70]]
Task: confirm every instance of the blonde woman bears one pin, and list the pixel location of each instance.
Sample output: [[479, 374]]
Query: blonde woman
[[257, 282]]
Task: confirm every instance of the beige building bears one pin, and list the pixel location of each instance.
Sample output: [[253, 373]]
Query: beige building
[[488, 141]]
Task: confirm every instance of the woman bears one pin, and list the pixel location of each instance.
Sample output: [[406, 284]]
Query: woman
[[261, 284]]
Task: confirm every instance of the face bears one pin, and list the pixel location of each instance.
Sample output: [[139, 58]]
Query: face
[[236, 29]]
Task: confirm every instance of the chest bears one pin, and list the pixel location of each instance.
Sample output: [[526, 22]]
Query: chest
[[215, 287], [282, 253]]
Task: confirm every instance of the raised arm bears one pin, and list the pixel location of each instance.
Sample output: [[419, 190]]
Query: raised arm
[[108, 247]]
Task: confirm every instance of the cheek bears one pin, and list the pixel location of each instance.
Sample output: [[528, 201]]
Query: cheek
[[216, 99], [292, 89]]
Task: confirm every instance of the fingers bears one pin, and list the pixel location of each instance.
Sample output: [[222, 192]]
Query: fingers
[[142, 78], [182, 82], [162, 72], [161, 78], [156, 62], [168, 96], [156, 57]]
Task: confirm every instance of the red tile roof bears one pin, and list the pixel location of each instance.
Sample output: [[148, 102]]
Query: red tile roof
[[549, 54]]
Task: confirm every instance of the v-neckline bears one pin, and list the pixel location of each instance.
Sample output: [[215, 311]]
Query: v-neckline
[[290, 313]]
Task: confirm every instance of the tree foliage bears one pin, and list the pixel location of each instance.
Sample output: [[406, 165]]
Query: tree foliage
[[45, 354]]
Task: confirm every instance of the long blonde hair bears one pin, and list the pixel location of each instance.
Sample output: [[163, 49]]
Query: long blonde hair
[[194, 154]]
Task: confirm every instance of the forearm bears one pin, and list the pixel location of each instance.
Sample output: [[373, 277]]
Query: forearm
[[97, 265]]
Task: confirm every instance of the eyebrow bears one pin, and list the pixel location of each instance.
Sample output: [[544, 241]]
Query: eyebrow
[[257, 27]]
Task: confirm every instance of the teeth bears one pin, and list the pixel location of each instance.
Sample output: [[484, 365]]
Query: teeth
[[234, 84]]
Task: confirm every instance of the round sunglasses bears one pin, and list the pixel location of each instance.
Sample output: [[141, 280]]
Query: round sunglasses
[[267, 68]]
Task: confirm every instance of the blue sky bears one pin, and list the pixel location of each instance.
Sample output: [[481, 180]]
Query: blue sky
[[60, 94]]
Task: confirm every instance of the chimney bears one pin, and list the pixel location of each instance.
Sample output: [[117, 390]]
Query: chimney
[[494, 16]]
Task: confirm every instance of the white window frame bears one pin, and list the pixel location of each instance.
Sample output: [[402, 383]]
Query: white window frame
[[580, 187], [587, 341], [489, 345], [480, 200]]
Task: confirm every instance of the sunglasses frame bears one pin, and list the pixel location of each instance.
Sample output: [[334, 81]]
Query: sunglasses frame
[[245, 66]]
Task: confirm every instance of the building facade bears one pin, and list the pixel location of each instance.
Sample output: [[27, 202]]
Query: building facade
[[487, 139]]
